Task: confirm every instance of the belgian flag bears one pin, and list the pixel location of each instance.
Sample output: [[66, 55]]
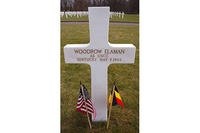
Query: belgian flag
[[117, 100]]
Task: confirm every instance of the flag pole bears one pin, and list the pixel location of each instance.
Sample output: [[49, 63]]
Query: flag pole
[[110, 107], [86, 106]]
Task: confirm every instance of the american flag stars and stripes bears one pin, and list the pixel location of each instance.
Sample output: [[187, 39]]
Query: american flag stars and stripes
[[84, 103]]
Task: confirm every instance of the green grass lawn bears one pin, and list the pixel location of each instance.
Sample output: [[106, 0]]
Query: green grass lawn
[[127, 18], [127, 76]]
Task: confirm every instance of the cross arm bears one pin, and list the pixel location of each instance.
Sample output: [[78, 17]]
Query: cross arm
[[76, 53], [123, 53]]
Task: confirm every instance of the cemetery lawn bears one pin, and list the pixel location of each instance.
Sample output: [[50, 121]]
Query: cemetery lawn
[[127, 18], [127, 76]]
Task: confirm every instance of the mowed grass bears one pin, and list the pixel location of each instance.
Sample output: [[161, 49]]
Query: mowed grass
[[127, 76], [127, 18]]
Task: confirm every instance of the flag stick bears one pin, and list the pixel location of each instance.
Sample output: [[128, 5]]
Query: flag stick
[[110, 107], [86, 107]]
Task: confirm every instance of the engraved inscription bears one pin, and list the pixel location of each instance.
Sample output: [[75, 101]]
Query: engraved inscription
[[102, 55]]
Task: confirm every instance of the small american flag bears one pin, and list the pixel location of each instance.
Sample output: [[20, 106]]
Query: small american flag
[[84, 103]]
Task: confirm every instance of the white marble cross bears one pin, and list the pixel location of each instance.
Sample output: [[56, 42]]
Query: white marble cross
[[99, 54]]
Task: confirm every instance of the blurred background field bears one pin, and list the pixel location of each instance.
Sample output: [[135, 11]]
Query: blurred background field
[[127, 76], [127, 18]]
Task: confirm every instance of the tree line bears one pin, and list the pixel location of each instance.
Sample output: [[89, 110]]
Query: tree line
[[127, 6]]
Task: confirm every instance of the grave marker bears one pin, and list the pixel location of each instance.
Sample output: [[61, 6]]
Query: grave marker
[[99, 54]]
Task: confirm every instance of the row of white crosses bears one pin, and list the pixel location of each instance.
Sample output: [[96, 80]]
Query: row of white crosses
[[99, 54], [117, 14], [79, 14], [74, 14]]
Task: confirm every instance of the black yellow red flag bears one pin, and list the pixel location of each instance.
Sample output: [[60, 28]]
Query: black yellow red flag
[[117, 100]]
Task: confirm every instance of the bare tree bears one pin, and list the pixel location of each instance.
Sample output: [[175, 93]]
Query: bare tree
[[81, 5], [127, 6]]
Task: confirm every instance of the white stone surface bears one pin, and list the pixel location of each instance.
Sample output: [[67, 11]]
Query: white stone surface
[[99, 54]]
